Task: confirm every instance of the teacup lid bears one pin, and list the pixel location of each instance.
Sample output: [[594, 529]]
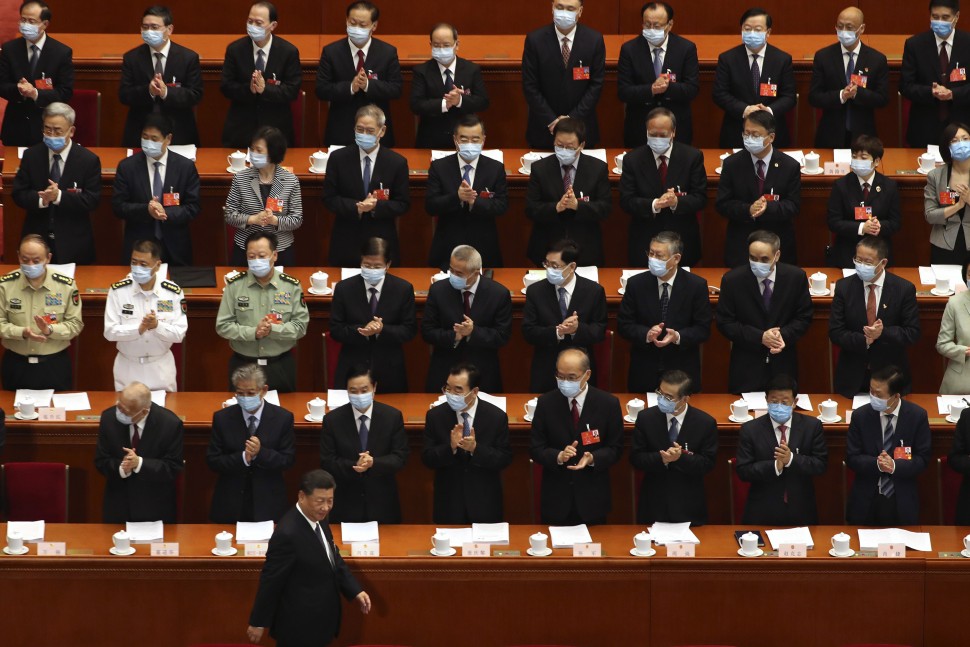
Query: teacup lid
[[841, 536], [635, 401], [320, 154], [237, 154], [121, 534], [224, 535], [749, 536], [539, 535], [319, 273], [643, 534], [318, 401]]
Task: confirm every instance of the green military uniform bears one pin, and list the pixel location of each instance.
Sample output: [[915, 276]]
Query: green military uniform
[[29, 364], [244, 304]]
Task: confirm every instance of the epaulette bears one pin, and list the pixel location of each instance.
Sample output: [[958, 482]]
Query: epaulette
[[171, 287], [122, 283], [236, 278], [66, 280], [289, 279], [11, 276]]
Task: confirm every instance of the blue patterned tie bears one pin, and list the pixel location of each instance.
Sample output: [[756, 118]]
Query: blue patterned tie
[[466, 428], [366, 175], [657, 62], [886, 487], [674, 430], [756, 75], [563, 306], [466, 176]]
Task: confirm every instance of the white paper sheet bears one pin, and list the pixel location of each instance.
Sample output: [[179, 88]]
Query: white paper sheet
[[273, 397], [860, 400], [568, 536], [846, 272], [253, 533], [348, 272], [943, 402], [803, 402], [755, 399], [800, 535], [798, 156], [952, 273], [367, 531], [41, 397], [842, 156], [869, 539], [439, 276], [651, 399], [336, 398], [158, 397], [926, 275], [457, 536], [598, 153], [494, 153], [671, 533], [589, 272], [498, 401], [491, 533], [934, 150], [628, 273], [333, 147], [185, 150], [30, 531], [72, 401], [67, 269], [145, 532], [20, 152]]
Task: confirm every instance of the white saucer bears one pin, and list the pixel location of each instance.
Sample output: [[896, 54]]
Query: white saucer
[[951, 420], [820, 293], [316, 172], [541, 553], [829, 422], [963, 552], [230, 169], [835, 554], [310, 418], [817, 171], [617, 171], [637, 553], [629, 419], [937, 293], [218, 553], [741, 420], [527, 418], [524, 171], [922, 172], [20, 416], [744, 554], [123, 553], [621, 290], [23, 550], [325, 292], [448, 553], [718, 170]]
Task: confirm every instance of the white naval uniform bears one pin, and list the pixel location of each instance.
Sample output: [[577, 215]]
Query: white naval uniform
[[145, 358]]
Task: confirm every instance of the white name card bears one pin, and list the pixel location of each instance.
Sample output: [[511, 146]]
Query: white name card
[[255, 550], [587, 550], [892, 551], [165, 549], [476, 549], [52, 414], [792, 550], [680, 549], [51, 549], [364, 549]]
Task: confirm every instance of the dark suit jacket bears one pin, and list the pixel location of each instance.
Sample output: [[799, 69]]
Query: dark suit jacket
[[372, 495], [635, 75], [542, 315], [467, 487], [299, 590], [181, 68], [689, 312], [737, 190], [864, 443], [742, 318], [959, 461], [132, 193], [920, 70], [277, 453], [766, 504], [350, 310], [22, 123], [844, 196], [901, 328], [828, 80], [492, 313], [674, 492], [456, 223], [640, 186], [71, 219], [343, 188], [587, 490], [435, 128], [582, 224], [734, 91], [248, 111], [148, 495], [549, 88]]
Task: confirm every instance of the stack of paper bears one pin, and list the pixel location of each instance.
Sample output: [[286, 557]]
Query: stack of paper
[[755, 399], [498, 401], [651, 399], [842, 156], [590, 272], [568, 536], [860, 400], [145, 532], [791, 536], [158, 397], [253, 533], [870, 539], [29, 530], [798, 156], [71, 401], [273, 397], [934, 150], [67, 269], [491, 533], [336, 398], [367, 531], [41, 397], [348, 272], [952, 273], [673, 533], [185, 150], [630, 273], [943, 402], [598, 153], [847, 272], [457, 536]]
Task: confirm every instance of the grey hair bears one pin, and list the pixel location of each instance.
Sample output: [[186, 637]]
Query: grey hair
[[370, 110], [764, 236], [662, 112], [250, 373], [672, 240], [58, 109], [138, 392], [468, 254]]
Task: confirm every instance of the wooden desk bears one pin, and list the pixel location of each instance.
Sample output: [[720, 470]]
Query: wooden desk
[[198, 597]]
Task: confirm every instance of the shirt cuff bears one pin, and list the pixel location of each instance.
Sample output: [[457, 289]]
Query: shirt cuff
[[861, 227], [893, 470], [57, 200], [460, 98], [768, 108], [245, 462], [842, 96], [653, 207], [677, 341], [791, 457], [367, 85], [444, 106], [122, 473], [778, 471], [40, 203], [138, 466]]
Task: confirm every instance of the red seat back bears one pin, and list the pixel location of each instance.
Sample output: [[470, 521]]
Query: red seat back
[[949, 482], [848, 478], [536, 491], [903, 106], [738, 490], [331, 353], [35, 491], [87, 122], [603, 357], [298, 108]]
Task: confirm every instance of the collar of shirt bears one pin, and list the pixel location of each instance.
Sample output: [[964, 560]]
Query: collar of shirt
[[473, 289], [140, 425], [669, 282], [462, 163], [770, 277], [871, 181], [43, 39], [164, 51], [570, 35], [354, 49], [575, 166], [313, 524], [377, 286], [666, 153], [471, 414], [855, 50], [151, 163], [894, 412], [265, 49], [569, 286], [878, 281], [442, 68], [580, 399], [948, 40], [766, 159], [258, 413], [138, 292], [775, 425], [761, 55], [662, 46], [372, 155], [272, 282], [63, 154], [369, 413], [679, 417]]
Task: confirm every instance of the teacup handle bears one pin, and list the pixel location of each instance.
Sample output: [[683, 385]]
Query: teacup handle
[[310, 157], [522, 161], [308, 410], [833, 543]]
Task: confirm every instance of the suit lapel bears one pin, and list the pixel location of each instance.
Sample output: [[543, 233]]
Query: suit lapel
[[436, 85], [254, 186]]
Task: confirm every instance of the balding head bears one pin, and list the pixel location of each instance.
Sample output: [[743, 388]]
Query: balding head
[[135, 400], [851, 19]]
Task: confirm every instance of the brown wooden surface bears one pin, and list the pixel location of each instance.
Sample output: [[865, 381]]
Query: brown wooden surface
[[198, 597]]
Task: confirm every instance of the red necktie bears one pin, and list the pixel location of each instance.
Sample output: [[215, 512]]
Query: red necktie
[[944, 106], [662, 169], [135, 437], [360, 60], [567, 178], [782, 429], [575, 414], [872, 306], [467, 294], [761, 177], [865, 192]]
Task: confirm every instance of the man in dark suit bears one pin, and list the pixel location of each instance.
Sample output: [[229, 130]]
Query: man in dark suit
[[466, 318], [849, 81], [864, 202], [156, 193], [445, 89], [356, 72], [657, 69], [364, 445], [35, 72], [760, 188], [763, 310], [663, 188], [874, 318], [674, 446], [160, 76], [563, 67], [466, 192], [251, 445], [366, 189], [261, 77], [372, 317], [888, 446], [666, 315], [466, 443], [568, 196], [754, 76], [932, 77], [61, 216], [139, 453], [304, 575], [779, 455], [577, 435], [564, 311]]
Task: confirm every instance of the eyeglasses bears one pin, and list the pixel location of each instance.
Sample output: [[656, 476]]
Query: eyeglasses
[[859, 261], [661, 394], [550, 265], [448, 391]]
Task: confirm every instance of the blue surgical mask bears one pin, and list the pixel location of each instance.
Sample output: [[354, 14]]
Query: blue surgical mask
[[865, 272], [457, 282], [248, 403], [444, 55], [761, 270], [566, 155], [569, 388], [456, 401], [141, 274], [565, 20], [260, 266], [655, 36], [33, 271], [358, 35], [862, 168], [258, 160], [152, 37], [361, 401], [941, 28], [960, 151], [878, 404], [754, 145], [365, 141], [846, 37], [256, 32], [657, 266], [554, 275], [666, 406], [123, 418], [30, 32], [754, 40], [371, 275], [469, 152], [151, 148], [658, 144], [779, 412], [56, 144]]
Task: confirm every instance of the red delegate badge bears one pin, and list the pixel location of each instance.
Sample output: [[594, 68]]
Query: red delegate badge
[[859, 80], [382, 194], [274, 204], [903, 453], [581, 73], [948, 197], [771, 197], [44, 84], [590, 436], [958, 74], [170, 199], [769, 89], [863, 213]]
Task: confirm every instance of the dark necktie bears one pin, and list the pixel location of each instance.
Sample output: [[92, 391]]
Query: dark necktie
[[944, 106], [366, 176], [34, 58], [766, 295], [565, 52], [323, 541], [761, 177], [865, 191], [252, 426], [563, 306], [467, 175], [466, 428], [664, 301], [360, 60], [158, 62], [575, 412], [567, 178], [886, 486], [373, 302], [658, 60], [756, 75], [157, 101], [449, 81], [364, 432], [467, 299], [872, 305], [848, 79], [674, 430], [662, 169], [56, 169], [260, 61], [781, 430], [157, 191], [135, 437]]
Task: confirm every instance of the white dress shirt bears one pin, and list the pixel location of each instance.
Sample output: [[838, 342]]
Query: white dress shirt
[[141, 436], [313, 526], [50, 163], [373, 160], [775, 426], [656, 159], [258, 414], [353, 57], [444, 81]]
